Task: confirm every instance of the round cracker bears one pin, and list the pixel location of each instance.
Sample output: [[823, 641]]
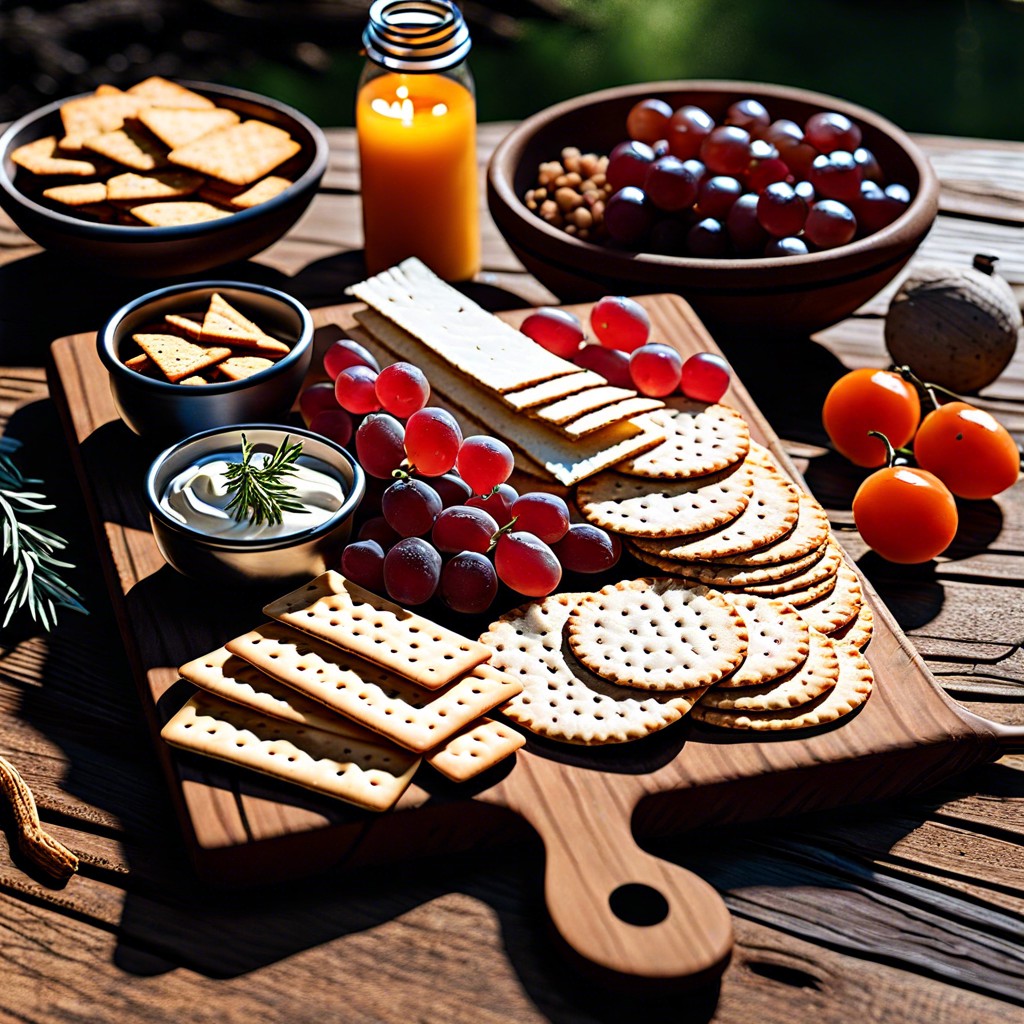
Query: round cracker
[[840, 605], [852, 689], [770, 513], [640, 507], [857, 632], [716, 574], [809, 533], [561, 699], [817, 674], [808, 595], [699, 439], [822, 569], [657, 634], [778, 640]]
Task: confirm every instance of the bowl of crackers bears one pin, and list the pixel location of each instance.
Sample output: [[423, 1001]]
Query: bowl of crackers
[[698, 225], [192, 357], [162, 179]]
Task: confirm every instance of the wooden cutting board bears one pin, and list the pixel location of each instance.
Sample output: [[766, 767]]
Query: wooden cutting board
[[619, 910]]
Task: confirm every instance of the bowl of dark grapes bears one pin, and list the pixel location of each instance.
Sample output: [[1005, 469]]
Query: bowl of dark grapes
[[774, 211]]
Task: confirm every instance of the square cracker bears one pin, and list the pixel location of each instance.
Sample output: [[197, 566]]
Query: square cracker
[[475, 749], [463, 334], [568, 461], [158, 185], [89, 116], [43, 157], [351, 618], [176, 357], [78, 195], [163, 93], [370, 694], [239, 154], [180, 127], [261, 192], [131, 146], [367, 775], [175, 214]]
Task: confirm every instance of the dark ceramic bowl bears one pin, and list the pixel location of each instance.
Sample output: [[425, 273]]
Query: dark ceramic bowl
[[166, 251], [233, 561], [755, 297], [165, 412]]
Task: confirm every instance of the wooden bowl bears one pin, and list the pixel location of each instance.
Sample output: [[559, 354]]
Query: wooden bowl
[[141, 251], [757, 297]]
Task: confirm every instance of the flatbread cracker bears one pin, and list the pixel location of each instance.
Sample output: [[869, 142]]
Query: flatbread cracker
[[551, 390], [45, 157], [778, 640], [239, 154], [599, 419], [336, 610], [573, 406], [367, 775], [561, 699], [657, 634]]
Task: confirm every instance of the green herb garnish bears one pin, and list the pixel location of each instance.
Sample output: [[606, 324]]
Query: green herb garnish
[[37, 584], [261, 493]]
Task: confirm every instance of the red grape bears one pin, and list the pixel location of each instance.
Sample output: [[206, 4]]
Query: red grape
[[316, 398], [805, 190], [688, 127], [620, 322], [830, 223], [827, 131], [783, 134], [355, 391], [836, 176], [402, 389], [484, 462], [868, 163], [786, 247], [875, 208], [628, 215], [380, 444], [627, 164], [765, 171], [726, 150], [671, 183], [798, 158], [452, 489], [750, 114], [610, 363], [469, 583], [345, 353], [655, 369], [333, 423], [648, 121], [781, 210], [587, 548], [716, 196], [526, 564], [707, 239], [363, 563], [464, 528], [432, 439], [499, 504], [410, 507], [745, 231], [704, 377], [412, 569], [557, 330], [377, 529], [544, 515]]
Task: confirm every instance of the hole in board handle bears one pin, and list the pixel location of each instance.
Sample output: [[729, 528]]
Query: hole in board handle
[[638, 904]]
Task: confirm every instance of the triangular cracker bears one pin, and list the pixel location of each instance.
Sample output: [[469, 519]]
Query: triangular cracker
[[240, 367], [78, 195], [262, 341], [176, 357], [191, 328]]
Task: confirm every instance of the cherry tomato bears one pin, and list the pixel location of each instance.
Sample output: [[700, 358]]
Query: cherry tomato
[[906, 515], [968, 450], [868, 399]]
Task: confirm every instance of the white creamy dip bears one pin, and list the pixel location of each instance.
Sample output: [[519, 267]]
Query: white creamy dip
[[198, 497]]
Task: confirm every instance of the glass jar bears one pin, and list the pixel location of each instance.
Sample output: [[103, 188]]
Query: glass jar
[[416, 124]]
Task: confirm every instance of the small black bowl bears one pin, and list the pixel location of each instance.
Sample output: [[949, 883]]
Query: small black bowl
[[164, 412], [167, 251]]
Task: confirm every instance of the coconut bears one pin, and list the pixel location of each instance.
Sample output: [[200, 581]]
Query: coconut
[[954, 326]]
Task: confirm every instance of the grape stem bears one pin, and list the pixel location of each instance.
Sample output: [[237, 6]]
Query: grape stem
[[929, 389], [507, 528], [400, 474], [890, 452]]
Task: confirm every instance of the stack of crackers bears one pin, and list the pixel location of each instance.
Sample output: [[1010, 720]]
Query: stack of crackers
[[345, 692], [158, 155], [218, 345], [564, 423]]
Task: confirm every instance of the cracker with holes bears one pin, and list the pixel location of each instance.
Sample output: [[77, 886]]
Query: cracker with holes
[[809, 533], [838, 605], [369, 694], [852, 689], [180, 127], [561, 699], [248, 334], [814, 676], [778, 640], [657, 634], [45, 157], [239, 154], [808, 595], [819, 571], [475, 749], [157, 185], [177, 358], [367, 775], [699, 439], [351, 618], [857, 632]]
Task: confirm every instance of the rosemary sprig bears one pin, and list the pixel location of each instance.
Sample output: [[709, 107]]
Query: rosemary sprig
[[262, 493], [37, 584]]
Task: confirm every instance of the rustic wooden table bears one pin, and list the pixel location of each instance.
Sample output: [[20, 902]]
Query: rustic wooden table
[[907, 911]]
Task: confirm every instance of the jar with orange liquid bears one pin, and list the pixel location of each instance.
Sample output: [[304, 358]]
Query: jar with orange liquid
[[416, 123]]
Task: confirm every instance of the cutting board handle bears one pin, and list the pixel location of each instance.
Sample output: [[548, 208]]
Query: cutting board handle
[[632, 916]]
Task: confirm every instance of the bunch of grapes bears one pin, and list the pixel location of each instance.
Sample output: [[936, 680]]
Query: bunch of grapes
[[750, 186], [624, 355], [448, 523]]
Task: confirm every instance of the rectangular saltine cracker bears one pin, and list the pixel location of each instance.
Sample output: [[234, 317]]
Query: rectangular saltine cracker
[[475, 749], [552, 390]]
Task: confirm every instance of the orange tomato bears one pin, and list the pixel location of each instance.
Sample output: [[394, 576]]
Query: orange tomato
[[970, 451], [868, 399], [905, 514]]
